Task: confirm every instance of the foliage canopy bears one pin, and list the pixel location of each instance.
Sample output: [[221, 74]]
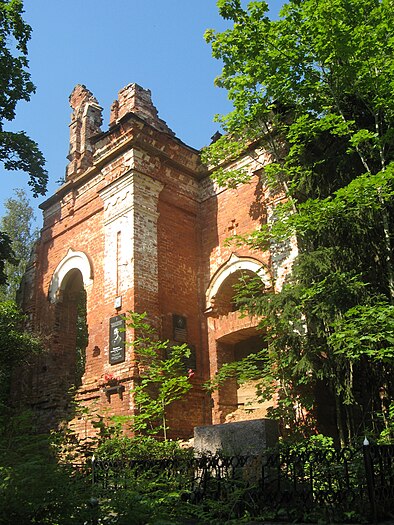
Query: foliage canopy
[[17, 150], [315, 89]]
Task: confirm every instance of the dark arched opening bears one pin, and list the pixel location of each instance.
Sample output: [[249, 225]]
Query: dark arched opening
[[72, 329], [236, 337]]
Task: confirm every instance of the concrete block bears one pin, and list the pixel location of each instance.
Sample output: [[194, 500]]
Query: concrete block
[[241, 438]]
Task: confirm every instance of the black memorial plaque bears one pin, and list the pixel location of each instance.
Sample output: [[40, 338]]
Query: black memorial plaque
[[116, 340], [179, 325]]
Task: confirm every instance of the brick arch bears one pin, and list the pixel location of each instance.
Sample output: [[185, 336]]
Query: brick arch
[[72, 261], [235, 265]]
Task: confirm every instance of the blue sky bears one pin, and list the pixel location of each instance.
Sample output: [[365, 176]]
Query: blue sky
[[107, 44]]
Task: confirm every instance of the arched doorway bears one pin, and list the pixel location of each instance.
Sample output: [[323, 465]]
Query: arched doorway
[[71, 331], [68, 293], [231, 337], [71, 326]]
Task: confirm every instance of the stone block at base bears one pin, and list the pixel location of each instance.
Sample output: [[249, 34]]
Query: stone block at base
[[241, 438]]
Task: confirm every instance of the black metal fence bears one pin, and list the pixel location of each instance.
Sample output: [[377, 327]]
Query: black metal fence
[[343, 485], [379, 473]]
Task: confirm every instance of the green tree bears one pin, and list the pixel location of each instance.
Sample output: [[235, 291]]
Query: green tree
[[18, 224], [164, 378], [314, 88], [17, 150], [6, 256]]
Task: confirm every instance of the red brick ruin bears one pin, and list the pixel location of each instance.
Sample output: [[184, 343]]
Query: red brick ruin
[[139, 225]]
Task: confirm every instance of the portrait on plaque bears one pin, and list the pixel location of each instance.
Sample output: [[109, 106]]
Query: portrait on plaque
[[179, 326], [116, 340]]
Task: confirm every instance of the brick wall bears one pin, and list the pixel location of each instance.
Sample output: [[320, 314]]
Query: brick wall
[[150, 228]]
